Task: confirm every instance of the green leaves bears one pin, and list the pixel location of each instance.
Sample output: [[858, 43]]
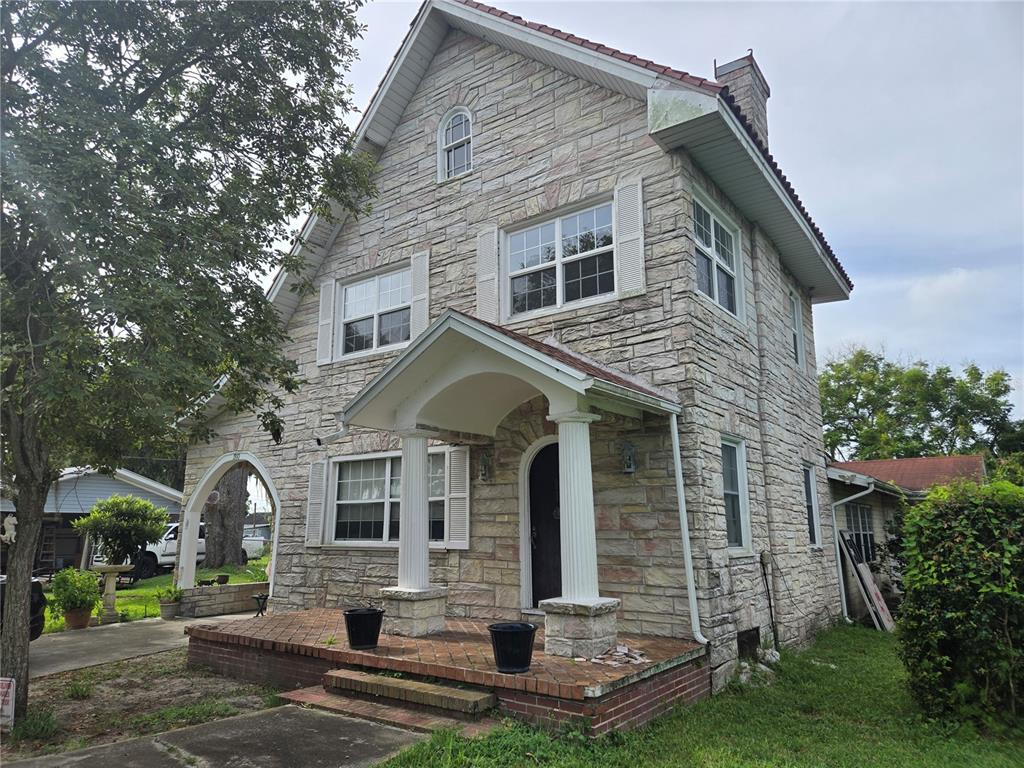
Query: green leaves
[[122, 526]]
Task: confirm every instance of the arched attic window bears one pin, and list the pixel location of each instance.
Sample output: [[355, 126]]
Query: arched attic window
[[455, 144]]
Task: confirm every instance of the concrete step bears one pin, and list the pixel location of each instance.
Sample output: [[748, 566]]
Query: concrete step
[[388, 714], [462, 702]]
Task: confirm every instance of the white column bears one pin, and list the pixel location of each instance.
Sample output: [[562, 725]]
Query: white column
[[576, 502], [413, 530]]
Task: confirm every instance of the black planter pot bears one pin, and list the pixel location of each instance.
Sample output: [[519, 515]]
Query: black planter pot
[[512, 642], [362, 625]]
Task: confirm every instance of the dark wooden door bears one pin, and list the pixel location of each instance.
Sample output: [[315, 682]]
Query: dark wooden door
[[545, 533]]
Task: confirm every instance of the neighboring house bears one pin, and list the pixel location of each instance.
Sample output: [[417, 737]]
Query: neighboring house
[[868, 494], [73, 496], [584, 284]]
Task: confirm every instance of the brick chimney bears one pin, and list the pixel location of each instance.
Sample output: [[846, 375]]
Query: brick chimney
[[749, 87]]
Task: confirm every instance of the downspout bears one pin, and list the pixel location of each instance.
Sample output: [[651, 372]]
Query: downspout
[[839, 555], [684, 527]]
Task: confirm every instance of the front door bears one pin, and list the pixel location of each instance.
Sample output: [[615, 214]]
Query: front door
[[545, 531]]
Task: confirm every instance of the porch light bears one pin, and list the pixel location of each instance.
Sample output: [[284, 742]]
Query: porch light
[[628, 458], [484, 471]]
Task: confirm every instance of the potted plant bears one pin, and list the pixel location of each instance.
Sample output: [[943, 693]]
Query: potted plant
[[169, 599], [512, 642], [76, 593], [362, 625], [222, 578]]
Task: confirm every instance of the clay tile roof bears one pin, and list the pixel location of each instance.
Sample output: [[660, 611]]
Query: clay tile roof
[[920, 474], [692, 80]]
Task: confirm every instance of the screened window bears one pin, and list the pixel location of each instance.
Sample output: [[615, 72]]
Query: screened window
[[368, 498], [734, 469], [376, 312], [717, 258], [796, 328], [457, 146], [860, 524], [557, 262], [811, 503]]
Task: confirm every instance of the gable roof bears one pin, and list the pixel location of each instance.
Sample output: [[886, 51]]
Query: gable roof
[[919, 474]]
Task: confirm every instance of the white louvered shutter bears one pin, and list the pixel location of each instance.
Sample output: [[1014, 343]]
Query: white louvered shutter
[[420, 314], [487, 275], [315, 503], [325, 325], [458, 498], [629, 238]]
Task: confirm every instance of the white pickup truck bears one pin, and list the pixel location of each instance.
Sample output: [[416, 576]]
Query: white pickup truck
[[163, 553]]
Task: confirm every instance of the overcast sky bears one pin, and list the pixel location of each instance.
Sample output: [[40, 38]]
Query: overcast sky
[[901, 125]]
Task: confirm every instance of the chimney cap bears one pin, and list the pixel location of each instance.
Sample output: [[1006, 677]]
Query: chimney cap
[[740, 63]]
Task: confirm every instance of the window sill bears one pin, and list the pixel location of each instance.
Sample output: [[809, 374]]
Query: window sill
[[737, 553], [441, 182], [367, 354], [435, 546], [591, 301], [714, 303]]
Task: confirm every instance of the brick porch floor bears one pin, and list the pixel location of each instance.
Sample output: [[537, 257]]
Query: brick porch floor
[[300, 646]]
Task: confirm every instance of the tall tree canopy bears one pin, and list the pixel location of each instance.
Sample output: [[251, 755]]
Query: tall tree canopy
[[153, 153], [875, 408]]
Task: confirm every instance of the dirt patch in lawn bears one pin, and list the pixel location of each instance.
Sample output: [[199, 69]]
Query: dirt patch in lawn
[[127, 698]]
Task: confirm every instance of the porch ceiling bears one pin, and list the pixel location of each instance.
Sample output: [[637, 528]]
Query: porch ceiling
[[465, 375]]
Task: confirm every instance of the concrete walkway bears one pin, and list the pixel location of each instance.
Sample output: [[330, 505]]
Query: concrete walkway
[[275, 738], [78, 648]]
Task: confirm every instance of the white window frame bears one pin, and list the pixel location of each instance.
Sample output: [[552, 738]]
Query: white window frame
[[558, 264], [796, 330], [860, 522], [809, 486], [340, 319], [444, 148], [736, 271], [384, 542], [740, 445]]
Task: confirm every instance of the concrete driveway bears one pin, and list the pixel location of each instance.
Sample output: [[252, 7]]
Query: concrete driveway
[[275, 738], [78, 648]]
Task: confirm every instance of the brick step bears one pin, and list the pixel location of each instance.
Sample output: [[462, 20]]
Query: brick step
[[388, 714], [463, 702]]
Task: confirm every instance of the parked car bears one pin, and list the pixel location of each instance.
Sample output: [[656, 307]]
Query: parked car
[[162, 554], [36, 607]]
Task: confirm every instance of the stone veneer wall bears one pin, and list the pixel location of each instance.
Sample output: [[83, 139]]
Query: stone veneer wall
[[221, 598], [543, 139]]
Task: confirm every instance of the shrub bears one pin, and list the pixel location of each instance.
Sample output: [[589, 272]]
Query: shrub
[[73, 589], [962, 620], [122, 525]]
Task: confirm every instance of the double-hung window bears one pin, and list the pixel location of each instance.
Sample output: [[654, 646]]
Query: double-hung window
[[811, 504], [367, 501], [717, 257], [734, 489], [565, 260], [860, 524], [376, 312], [796, 328], [456, 148]]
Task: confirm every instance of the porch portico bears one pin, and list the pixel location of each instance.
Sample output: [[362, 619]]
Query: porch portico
[[456, 383]]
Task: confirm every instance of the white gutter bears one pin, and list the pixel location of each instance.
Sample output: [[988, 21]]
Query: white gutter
[[684, 527], [835, 539]]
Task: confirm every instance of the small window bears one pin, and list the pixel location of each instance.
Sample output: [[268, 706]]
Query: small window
[[734, 488], [860, 524], [796, 328], [376, 312], [717, 258], [568, 259], [811, 503], [455, 145]]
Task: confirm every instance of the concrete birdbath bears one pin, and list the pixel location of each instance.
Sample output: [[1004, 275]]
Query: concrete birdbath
[[110, 572]]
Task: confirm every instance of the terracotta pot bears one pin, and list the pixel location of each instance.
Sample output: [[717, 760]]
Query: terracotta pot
[[169, 610], [77, 618]]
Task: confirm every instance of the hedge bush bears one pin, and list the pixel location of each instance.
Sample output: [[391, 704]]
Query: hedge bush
[[961, 624]]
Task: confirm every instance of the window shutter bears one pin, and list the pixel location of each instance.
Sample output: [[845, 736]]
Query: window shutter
[[420, 314], [458, 498], [487, 275], [629, 238], [315, 503], [325, 325]]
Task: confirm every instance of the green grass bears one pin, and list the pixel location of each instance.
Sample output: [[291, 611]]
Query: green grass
[[39, 723], [79, 690], [179, 716], [138, 600], [857, 715]]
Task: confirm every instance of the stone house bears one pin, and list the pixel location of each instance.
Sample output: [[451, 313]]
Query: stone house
[[565, 367]]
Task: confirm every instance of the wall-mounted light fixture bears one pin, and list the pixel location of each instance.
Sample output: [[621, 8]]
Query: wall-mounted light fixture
[[628, 458], [484, 471]]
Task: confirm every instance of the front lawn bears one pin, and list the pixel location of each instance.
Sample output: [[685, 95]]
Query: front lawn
[[138, 600], [841, 703]]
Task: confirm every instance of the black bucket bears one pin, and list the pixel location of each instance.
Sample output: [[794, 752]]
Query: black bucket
[[513, 645], [362, 625]]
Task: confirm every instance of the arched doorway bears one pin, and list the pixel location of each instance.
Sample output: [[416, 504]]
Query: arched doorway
[[540, 533], [190, 517]]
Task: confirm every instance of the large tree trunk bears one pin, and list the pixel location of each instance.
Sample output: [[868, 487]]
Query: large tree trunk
[[225, 520]]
